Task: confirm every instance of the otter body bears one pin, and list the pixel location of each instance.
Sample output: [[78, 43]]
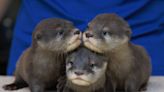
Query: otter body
[[129, 69], [85, 72], [40, 66], [129, 65]]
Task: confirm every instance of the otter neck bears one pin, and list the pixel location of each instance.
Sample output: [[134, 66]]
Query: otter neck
[[56, 55], [120, 50]]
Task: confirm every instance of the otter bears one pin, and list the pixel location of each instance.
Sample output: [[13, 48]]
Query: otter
[[85, 72], [129, 66], [40, 66]]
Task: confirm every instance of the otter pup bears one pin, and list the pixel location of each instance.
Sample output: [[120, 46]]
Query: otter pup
[[85, 72], [129, 65], [40, 66]]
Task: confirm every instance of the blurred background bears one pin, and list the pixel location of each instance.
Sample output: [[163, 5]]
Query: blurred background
[[8, 12]]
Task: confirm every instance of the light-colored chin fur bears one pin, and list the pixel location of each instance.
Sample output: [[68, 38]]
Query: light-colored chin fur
[[80, 82], [73, 43], [83, 80], [90, 43]]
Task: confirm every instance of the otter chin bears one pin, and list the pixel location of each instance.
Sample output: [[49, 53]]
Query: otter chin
[[74, 42], [91, 43], [80, 82]]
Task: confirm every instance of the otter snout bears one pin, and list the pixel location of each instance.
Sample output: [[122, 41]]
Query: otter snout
[[75, 39], [76, 31], [79, 73], [88, 35]]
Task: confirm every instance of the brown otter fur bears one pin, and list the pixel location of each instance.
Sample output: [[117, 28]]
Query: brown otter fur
[[129, 65], [40, 66], [85, 72]]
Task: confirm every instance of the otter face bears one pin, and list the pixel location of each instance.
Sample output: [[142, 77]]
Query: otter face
[[57, 35], [106, 32], [84, 67]]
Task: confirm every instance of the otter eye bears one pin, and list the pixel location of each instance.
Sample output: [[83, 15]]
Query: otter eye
[[70, 62], [105, 33], [92, 65], [60, 33]]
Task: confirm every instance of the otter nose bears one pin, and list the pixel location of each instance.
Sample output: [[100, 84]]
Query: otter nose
[[77, 32], [78, 73], [89, 35]]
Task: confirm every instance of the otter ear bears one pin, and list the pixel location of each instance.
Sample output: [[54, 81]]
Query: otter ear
[[128, 31], [127, 28], [34, 41], [33, 35]]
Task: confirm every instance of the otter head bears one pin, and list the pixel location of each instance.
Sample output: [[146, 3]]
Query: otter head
[[84, 67], [56, 34], [106, 32]]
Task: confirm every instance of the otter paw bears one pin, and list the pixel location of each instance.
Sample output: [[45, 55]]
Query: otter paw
[[143, 89], [10, 87]]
